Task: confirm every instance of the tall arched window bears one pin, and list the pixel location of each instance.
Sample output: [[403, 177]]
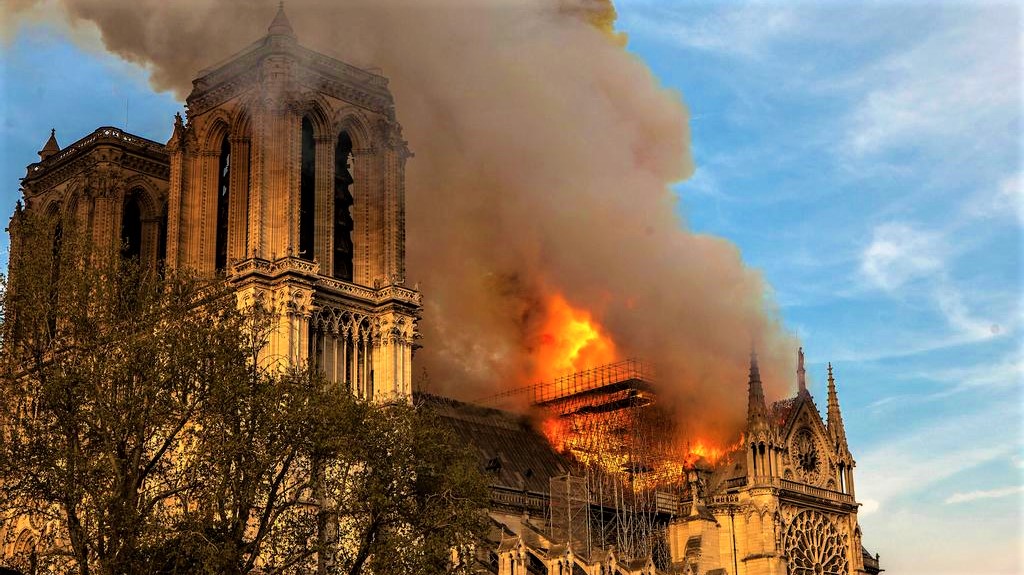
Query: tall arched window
[[307, 192], [223, 196], [161, 240], [131, 227], [58, 239], [343, 223]]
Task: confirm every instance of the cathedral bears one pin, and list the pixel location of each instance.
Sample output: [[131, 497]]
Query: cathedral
[[287, 177]]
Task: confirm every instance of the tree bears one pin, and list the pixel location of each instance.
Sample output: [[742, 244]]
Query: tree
[[105, 369], [142, 435]]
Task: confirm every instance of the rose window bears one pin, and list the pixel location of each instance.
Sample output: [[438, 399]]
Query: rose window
[[815, 546], [806, 457]]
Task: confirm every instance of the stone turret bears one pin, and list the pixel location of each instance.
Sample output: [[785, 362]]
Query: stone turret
[[51, 147], [757, 409], [834, 420], [287, 175], [762, 456], [837, 432], [281, 26]]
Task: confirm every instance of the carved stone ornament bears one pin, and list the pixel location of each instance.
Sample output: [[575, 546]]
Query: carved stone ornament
[[816, 546], [807, 457]]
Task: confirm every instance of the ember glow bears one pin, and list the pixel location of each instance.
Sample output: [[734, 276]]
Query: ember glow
[[635, 442], [570, 340], [710, 453]]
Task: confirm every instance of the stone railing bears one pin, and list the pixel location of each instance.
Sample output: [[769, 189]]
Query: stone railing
[[347, 288], [791, 486], [519, 499], [101, 135], [736, 482], [399, 293], [276, 266], [728, 499], [813, 491], [342, 287]]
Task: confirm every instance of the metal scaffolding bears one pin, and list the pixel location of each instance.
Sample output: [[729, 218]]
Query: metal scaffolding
[[607, 419]]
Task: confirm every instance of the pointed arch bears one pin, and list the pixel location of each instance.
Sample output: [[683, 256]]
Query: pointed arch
[[343, 222], [318, 113], [131, 226], [241, 124], [223, 202], [307, 190], [352, 121], [218, 127]]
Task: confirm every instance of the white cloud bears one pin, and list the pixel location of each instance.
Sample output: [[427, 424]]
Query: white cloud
[[951, 91], [905, 260], [984, 494], [899, 253], [739, 30], [868, 506], [915, 462], [1005, 199], [951, 303]]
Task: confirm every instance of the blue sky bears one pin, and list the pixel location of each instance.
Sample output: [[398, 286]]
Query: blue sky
[[866, 157]]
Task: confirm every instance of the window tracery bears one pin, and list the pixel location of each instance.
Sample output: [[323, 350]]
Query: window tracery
[[816, 546]]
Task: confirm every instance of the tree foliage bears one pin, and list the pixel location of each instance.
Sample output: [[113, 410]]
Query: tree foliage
[[140, 434]]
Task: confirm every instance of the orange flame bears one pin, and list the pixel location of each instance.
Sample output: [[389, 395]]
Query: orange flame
[[570, 340], [709, 453]]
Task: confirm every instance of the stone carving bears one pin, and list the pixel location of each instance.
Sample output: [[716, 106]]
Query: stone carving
[[816, 545]]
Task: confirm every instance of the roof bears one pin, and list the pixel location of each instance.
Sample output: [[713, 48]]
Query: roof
[[510, 449], [154, 153], [781, 411], [281, 25]]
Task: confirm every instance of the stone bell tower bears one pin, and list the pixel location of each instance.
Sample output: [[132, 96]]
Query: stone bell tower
[[288, 176]]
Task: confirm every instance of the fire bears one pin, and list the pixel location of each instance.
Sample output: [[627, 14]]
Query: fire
[[556, 433], [709, 453], [623, 433], [570, 340]]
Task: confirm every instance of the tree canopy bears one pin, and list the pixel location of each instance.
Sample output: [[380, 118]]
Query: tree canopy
[[140, 434]]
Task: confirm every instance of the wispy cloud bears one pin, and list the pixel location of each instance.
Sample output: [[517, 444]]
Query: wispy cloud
[[739, 30], [905, 260], [1002, 200], [912, 463], [899, 253], [984, 494], [944, 91]]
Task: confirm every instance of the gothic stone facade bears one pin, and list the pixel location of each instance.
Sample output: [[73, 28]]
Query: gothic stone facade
[[289, 178], [783, 503]]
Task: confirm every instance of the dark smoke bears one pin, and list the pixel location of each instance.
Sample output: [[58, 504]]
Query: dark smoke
[[544, 155]]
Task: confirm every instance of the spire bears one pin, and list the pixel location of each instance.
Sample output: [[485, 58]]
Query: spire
[[835, 419], [51, 147], [756, 408], [281, 26], [801, 377]]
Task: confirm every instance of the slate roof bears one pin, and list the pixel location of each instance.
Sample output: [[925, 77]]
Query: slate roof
[[511, 451]]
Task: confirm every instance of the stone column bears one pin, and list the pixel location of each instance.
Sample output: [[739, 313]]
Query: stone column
[[366, 233], [238, 200], [357, 382], [323, 246]]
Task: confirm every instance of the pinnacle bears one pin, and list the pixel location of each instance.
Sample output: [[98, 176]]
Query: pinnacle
[[756, 408], [801, 373], [51, 147], [281, 26], [834, 416]]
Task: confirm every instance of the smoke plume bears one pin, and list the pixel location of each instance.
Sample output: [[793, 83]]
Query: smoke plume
[[544, 152]]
